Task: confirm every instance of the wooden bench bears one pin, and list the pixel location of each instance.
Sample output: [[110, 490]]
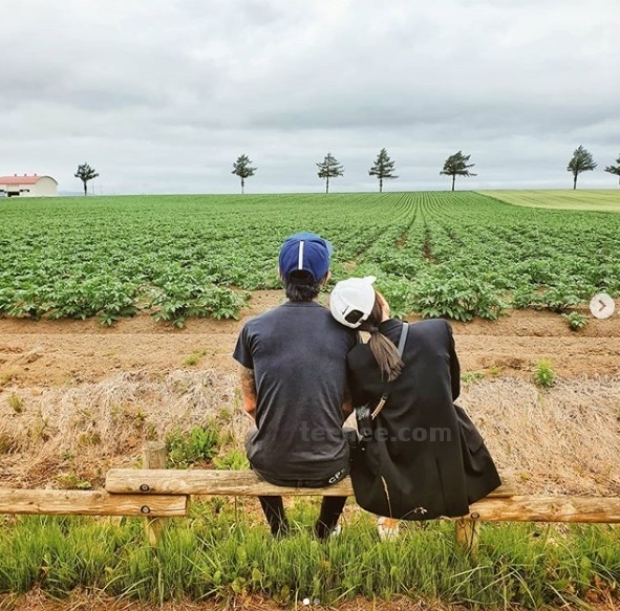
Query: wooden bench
[[502, 505], [162, 493]]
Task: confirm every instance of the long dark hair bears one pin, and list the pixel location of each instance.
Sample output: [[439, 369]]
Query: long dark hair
[[384, 351]]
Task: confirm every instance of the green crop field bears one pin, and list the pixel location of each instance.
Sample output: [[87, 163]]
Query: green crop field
[[458, 255], [598, 201]]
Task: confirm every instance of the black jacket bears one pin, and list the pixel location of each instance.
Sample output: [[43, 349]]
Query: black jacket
[[426, 458]]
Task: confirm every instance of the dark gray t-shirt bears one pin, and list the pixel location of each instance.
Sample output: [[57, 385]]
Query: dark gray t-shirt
[[298, 354]]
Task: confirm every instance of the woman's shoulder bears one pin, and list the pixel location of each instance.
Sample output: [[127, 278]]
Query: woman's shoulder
[[430, 328], [431, 325], [431, 332]]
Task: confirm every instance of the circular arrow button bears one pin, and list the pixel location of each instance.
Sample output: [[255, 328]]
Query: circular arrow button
[[602, 306]]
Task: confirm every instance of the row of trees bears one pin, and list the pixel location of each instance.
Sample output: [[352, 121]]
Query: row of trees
[[455, 165], [582, 161], [383, 168]]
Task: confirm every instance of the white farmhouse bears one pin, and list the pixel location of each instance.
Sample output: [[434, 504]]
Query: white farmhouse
[[28, 186]]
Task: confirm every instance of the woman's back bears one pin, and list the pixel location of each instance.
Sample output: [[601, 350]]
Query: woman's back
[[421, 461], [423, 395]]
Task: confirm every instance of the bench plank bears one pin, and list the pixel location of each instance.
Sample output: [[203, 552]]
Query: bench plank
[[212, 482], [89, 503], [600, 510]]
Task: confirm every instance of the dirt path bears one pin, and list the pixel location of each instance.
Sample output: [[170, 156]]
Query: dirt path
[[60, 353]]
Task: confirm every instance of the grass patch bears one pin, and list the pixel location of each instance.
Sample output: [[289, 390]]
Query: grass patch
[[468, 377], [6, 377], [235, 459], [71, 481], [222, 554], [199, 445], [15, 403], [597, 200], [194, 357]]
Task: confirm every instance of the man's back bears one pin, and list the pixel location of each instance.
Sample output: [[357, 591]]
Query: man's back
[[298, 354]]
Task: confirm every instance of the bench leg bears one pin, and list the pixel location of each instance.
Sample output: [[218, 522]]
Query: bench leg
[[154, 457], [467, 531]]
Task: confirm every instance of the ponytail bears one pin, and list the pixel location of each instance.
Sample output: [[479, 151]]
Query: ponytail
[[384, 351]]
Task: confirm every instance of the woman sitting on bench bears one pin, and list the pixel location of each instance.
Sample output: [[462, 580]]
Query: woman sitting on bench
[[420, 456]]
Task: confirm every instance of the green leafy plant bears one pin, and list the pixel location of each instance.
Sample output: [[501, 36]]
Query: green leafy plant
[[576, 321], [558, 299], [175, 303], [187, 448], [495, 370], [30, 302], [544, 376], [398, 294], [458, 297], [234, 459], [191, 256], [467, 377], [71, 481], [523, 297]]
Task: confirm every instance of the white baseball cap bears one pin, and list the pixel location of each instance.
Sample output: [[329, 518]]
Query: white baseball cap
[[352, 301]]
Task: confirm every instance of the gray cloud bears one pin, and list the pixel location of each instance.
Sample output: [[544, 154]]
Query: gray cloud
[[163, 96]]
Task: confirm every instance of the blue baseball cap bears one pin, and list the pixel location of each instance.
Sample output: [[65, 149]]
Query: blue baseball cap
[[306, 252]]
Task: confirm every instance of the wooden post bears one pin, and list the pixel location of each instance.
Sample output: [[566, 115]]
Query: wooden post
[[467, 531], [154, 457]]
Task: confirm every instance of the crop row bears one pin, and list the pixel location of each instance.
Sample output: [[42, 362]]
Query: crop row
[[441, 254]]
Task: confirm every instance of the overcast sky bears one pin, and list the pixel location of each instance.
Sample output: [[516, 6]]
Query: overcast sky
[[161, 96]]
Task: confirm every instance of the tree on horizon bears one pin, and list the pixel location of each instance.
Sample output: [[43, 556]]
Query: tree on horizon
[[614, 169], [85, 173], [383, 168], [456, 165], [329, 168], [581, 161], [243, 169]]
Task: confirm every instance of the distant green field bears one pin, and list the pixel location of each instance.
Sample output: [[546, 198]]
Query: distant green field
[[598, 201], [457, 255]]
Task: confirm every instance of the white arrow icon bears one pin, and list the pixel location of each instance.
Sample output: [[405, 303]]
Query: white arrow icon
[[602, 306]]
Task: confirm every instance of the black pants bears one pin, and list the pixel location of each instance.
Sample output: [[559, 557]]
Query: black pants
[[331, 510], [331, 506]]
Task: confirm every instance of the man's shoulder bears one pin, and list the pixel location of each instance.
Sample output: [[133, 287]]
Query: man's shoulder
[[310, 309], [266, 316], [267, 321], [313, 316]]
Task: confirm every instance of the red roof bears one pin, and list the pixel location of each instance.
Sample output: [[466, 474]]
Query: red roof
[[19, 180]]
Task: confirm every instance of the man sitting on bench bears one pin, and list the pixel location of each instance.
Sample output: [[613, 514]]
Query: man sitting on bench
[[294, 385]]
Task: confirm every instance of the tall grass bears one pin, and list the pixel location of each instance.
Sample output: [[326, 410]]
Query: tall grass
[[217, 555]]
